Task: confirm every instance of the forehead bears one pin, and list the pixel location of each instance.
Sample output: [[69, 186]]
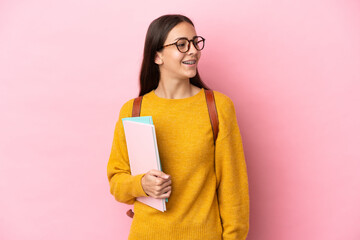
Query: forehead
[[183, 29]]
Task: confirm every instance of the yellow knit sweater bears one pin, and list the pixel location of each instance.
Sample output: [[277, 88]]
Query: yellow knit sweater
[[209, 198]]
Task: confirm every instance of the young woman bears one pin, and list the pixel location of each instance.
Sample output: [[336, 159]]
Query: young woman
[[205, 181]]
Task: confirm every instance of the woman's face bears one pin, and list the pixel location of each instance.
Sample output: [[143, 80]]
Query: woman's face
[[171, 61]]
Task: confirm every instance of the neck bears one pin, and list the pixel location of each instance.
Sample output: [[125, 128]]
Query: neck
[[175, 89]]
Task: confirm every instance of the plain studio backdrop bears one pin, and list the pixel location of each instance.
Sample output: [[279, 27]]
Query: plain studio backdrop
[[292, 69]]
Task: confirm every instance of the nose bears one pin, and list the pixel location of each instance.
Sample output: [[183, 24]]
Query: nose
[[192, 49]]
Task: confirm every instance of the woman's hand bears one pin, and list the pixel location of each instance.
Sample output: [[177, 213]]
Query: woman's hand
[[156, 184]]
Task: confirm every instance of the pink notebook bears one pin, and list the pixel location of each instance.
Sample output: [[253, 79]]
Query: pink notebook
[[143, 154]]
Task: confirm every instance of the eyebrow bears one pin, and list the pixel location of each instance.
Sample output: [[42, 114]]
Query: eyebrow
[[184, 37], [179, 38]]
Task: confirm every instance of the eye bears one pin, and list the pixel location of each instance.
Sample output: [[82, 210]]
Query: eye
[[182, 44]]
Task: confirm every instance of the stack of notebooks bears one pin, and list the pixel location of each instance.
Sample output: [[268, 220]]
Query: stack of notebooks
[[143, 152]]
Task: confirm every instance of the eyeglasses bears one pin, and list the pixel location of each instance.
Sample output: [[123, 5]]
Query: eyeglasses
[[183, 44]]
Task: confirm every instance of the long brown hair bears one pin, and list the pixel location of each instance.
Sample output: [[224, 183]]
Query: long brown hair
[[155, 38]]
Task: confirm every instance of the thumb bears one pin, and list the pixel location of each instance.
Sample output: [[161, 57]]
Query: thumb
[[159, 174]]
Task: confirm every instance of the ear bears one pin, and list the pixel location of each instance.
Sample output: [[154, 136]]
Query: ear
[[158, 58]]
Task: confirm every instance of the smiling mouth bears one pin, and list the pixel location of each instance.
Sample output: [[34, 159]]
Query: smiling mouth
[[189, 62]]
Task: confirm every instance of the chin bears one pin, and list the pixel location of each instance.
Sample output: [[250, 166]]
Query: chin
[[192, 74]]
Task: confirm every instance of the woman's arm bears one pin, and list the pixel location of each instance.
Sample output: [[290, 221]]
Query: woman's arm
[[231, 173], [123, 186]]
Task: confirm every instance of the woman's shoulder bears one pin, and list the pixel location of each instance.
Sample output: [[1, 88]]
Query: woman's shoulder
[[126, 109], [222, 100], [224, 107]]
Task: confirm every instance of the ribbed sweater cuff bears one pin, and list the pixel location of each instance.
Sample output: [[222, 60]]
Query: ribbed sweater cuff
[[138, 191]]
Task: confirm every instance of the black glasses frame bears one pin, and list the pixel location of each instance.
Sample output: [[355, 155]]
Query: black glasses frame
[[192, 40]]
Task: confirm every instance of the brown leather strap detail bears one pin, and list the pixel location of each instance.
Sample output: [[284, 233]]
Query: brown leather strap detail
[[130, 213], [210, 101], [135, 113], [137, 107]]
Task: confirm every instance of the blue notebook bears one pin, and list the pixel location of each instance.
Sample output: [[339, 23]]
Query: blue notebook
[[147, 119]]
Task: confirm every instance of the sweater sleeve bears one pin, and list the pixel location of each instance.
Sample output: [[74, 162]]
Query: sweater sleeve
[[231, 173], [123, 185]]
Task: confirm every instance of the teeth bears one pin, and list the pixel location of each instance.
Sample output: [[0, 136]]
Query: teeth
[[189, 62]]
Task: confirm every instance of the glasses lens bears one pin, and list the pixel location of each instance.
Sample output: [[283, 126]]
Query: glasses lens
[[182, 45], [199, 43]]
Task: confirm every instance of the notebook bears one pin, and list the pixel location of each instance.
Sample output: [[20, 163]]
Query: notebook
[[143, 152]]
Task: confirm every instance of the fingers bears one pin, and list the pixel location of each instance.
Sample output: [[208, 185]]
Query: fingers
[[162, 182], [164, 195], [161, 188], [159, 174], [156, 184], [166, 183]]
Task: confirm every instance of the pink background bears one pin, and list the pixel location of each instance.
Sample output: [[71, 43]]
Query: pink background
[[291, 68]]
